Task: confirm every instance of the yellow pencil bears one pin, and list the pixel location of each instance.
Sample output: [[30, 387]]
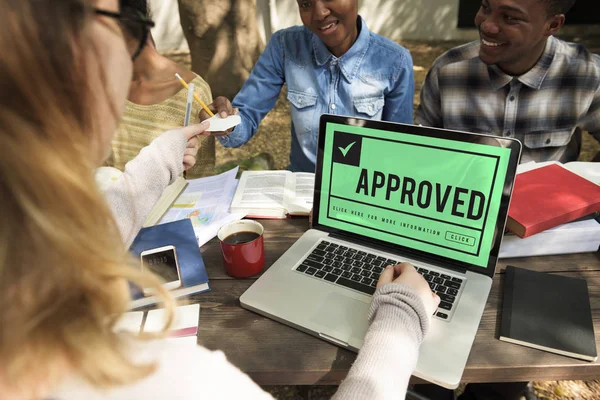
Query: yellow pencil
[[185, 85]]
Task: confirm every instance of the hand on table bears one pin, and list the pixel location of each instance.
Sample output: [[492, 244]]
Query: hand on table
[[407, 274], [220, 106]]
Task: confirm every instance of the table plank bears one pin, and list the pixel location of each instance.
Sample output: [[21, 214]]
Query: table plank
[[270, 352], [494, 361], [281, 234], [275, 354]]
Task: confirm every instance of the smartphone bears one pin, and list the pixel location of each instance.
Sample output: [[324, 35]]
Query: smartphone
[[163, 262]]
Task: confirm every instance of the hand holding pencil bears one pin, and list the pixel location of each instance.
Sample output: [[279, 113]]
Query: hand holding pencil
[[185, 85], [222, 107]]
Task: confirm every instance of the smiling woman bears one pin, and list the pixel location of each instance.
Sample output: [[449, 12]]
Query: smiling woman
[[332, 64]]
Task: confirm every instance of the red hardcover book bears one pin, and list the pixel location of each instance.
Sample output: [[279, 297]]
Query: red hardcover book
[[547, 197]]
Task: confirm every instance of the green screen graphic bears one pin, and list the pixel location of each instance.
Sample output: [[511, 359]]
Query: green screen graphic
[[429, 194]]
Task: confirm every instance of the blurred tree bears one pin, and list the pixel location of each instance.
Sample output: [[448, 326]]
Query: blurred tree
[[223, 39]]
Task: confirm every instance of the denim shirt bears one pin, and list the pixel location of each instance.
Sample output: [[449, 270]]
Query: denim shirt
[[373, 79]]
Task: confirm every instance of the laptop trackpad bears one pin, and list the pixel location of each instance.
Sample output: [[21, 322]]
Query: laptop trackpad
[[342, 317]]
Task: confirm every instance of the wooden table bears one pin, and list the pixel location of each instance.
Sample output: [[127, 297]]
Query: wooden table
[[275, 354]]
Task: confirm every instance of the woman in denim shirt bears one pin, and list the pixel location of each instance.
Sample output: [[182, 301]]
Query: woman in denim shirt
[[333, 64]]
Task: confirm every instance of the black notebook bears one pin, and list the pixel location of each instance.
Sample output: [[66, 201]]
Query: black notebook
[[548, 312]]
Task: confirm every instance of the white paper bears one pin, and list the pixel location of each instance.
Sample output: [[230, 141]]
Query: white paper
[[587, 170], [573, 237], [206, 202], [262, 189], [130, 322], [186, 341], [301, 200], [185, 317], [218, 124]]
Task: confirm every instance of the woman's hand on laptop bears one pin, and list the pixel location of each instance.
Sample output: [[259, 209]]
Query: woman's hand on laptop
[[407, 274]]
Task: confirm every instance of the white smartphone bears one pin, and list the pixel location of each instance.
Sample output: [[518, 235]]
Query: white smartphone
[[163, 262]]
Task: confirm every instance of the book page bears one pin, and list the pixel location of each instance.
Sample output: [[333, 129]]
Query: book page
[[185, 322], [130, 322], [260, 190], [206, 203], [300, 198]]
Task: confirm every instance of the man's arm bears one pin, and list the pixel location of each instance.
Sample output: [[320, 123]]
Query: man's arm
[[259, 94], [429, 112]]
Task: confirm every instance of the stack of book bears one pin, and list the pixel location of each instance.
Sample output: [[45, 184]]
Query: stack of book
[[555, 209]]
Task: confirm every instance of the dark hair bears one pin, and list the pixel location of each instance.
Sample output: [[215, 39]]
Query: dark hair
[[138, 6], [556, 7]]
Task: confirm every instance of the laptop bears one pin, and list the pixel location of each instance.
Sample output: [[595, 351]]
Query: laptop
[[388, 193]]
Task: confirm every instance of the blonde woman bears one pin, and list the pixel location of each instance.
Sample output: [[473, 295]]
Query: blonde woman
[[64, 76]]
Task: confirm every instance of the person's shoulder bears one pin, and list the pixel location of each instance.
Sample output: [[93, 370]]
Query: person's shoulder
[[386, 45], [295, 43], [577, 57], [200, 83], [289, 35], [464, 53]]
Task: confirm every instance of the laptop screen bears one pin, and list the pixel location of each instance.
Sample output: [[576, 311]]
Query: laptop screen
[[412, 188]]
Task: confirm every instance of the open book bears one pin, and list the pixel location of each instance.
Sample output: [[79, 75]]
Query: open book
[[273, 194]]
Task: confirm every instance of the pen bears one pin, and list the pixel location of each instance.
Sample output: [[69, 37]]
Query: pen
[[188, 106], [185, 85]]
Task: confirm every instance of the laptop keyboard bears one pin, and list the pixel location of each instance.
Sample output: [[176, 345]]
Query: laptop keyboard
[[360, 271]]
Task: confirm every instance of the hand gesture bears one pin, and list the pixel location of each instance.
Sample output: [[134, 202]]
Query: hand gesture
[[191, 132], [220, 106]]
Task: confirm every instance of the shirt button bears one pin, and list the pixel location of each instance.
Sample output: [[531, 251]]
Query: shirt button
[[300, 100], [333, 106], [334, 62], [548, 141], [512, 98], [370, 107]]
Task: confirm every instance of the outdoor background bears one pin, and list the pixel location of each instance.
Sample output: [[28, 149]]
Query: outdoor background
[[270, 149]]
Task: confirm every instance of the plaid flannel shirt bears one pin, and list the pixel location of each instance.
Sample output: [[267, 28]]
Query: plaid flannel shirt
[[546, 108]]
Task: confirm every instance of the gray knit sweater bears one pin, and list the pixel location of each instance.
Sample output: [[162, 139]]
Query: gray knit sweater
[[397, 317]]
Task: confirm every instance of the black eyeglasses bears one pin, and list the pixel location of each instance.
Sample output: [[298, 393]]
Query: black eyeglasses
[[133, 24]]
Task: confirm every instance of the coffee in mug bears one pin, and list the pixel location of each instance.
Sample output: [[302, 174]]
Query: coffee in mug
[[242, 247]]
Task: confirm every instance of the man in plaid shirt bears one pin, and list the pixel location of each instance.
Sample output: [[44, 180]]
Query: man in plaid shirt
[[518, 81]]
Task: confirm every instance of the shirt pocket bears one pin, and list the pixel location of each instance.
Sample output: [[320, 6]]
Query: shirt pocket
[[303, 110], [547, 138], [371, 106]]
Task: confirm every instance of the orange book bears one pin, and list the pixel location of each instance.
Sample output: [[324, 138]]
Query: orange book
[[547, 197]]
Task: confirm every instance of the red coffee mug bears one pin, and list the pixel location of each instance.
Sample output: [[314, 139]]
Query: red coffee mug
[[243, 249]]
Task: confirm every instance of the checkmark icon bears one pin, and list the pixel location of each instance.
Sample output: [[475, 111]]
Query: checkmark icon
[[346, 149]]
